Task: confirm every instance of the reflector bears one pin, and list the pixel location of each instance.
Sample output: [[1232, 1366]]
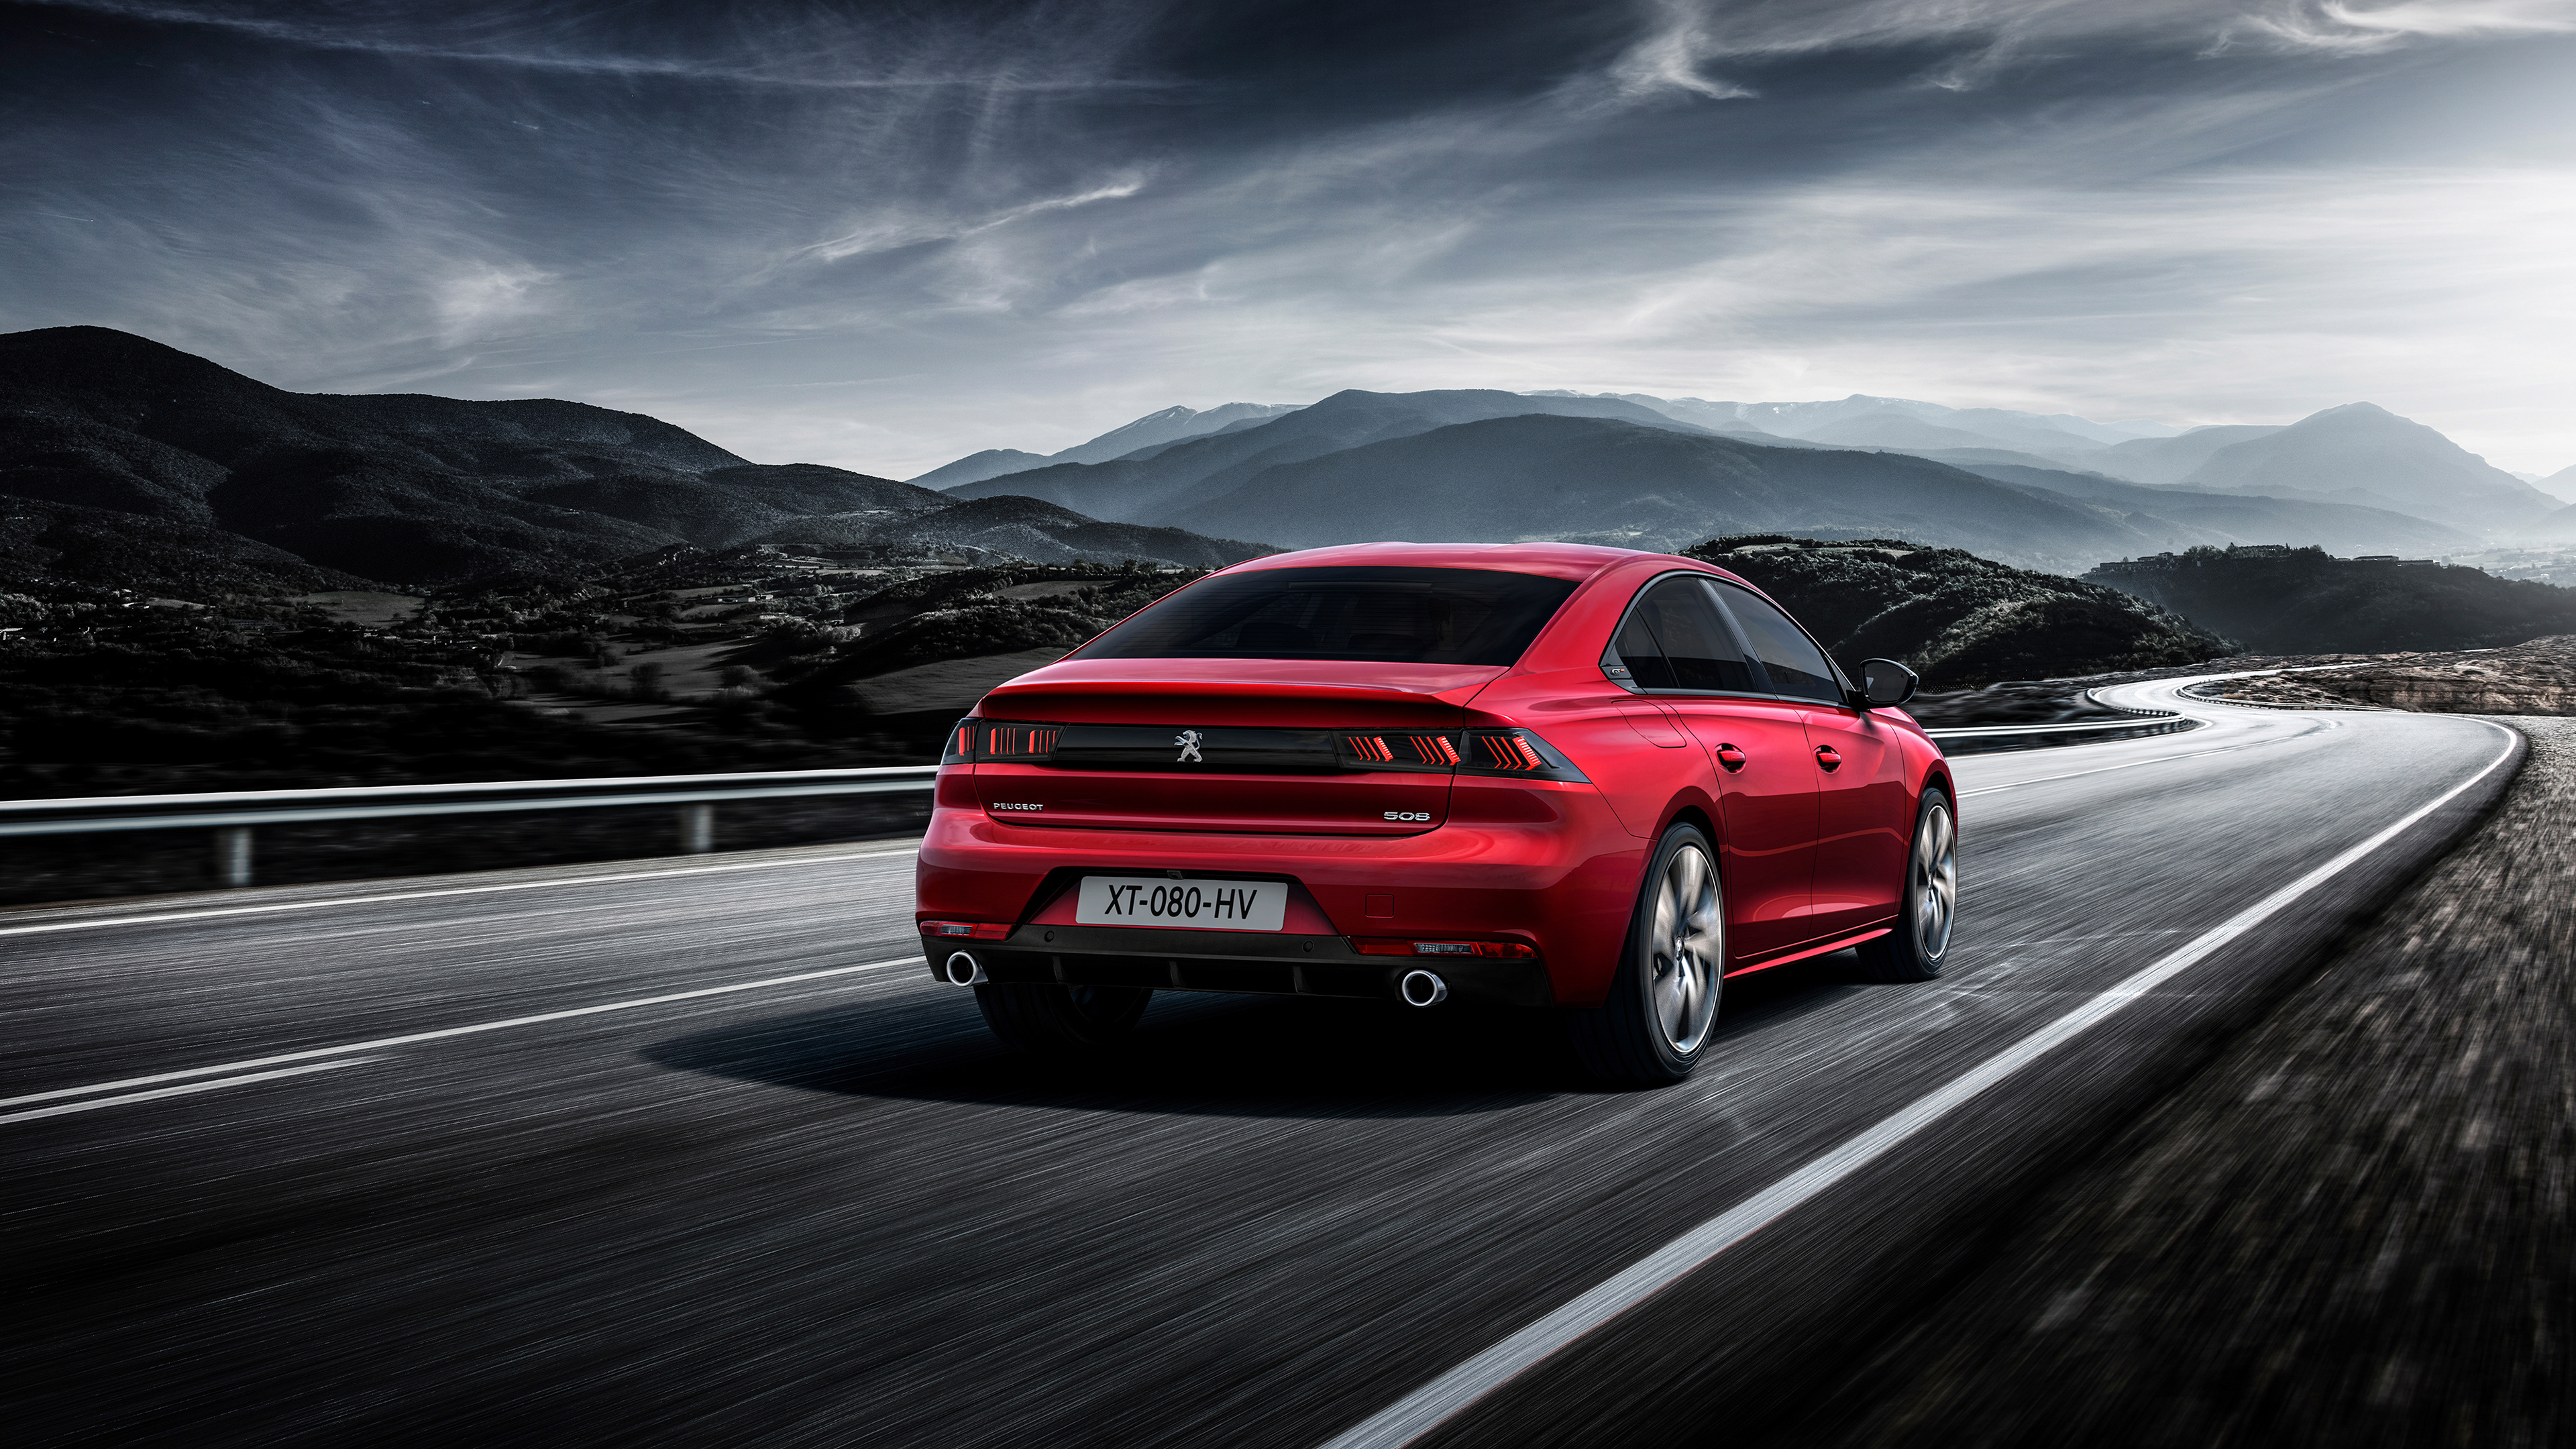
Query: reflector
[[1506, 950], [975, 930]]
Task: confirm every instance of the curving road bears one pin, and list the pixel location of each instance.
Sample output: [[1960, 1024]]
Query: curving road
[[692, 1152]]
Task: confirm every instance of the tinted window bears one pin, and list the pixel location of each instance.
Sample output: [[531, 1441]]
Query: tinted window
[[1637, 648], [1793, 661], [1396, 615], [1676, 638]]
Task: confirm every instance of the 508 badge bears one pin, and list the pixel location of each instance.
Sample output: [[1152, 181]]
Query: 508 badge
[[1423, 816]]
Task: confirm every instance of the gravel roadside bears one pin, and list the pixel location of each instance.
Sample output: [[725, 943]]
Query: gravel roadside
[[2353, 1228]]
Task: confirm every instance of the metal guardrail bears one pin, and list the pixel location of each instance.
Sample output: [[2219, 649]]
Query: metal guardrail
[[2139, 721], [233, 814]]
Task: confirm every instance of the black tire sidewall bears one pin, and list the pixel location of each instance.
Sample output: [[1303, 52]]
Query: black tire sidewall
[[1896, 956], [1634, 990], [1934, 795]]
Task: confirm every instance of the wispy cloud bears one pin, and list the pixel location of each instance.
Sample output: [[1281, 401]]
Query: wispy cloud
[[807, 46], [1021, 226], [2359, 29], [886, 233], [1668, 58]]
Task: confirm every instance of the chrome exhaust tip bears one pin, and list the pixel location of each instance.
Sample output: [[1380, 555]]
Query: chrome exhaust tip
[[1422, 988], [964, 970]]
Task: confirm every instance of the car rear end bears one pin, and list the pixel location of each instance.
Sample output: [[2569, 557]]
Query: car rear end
[[1277, 781]]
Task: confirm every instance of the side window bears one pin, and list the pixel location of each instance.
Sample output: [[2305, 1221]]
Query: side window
[[1697, 650], [1796, 666], [1637, 649]]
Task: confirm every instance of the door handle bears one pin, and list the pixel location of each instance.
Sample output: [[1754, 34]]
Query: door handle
[[1731, 757], [1829, 758]]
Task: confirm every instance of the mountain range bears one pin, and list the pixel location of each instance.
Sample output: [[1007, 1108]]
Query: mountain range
[[1484, 466], [1171, 425], [126, 462], [2348, 478], [129, 463]]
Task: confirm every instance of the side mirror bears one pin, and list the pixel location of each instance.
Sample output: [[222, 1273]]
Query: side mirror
[[1885, 682]]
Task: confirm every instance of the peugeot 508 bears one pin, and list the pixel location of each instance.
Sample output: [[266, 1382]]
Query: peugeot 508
[[1543, 775]]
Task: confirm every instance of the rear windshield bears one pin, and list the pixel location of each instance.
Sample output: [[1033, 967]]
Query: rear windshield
[[1397, 615]]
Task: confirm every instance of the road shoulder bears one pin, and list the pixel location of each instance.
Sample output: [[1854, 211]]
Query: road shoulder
[[2350, 1229]]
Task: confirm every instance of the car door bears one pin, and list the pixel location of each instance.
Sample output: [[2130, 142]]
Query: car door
[[1862, 832], [1755, 747]]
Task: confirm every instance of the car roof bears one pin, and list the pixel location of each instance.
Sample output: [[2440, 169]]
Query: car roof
[[1573, 561]]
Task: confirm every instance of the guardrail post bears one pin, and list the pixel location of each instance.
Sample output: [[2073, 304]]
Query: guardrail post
[[697, 828], [232, 856]]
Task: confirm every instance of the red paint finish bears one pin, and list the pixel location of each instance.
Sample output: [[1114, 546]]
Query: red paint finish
[[1553, 865], [1767, 818], [1865, 821]]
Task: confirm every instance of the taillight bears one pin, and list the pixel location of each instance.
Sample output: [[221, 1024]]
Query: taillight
[[1514, 752], [1398, 750], [1505, 950], [1018, 742], [985, 739]]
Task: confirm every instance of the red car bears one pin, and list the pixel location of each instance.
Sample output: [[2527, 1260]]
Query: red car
[[1538, 774]]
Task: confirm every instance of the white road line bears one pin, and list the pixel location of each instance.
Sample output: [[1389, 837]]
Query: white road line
[[60, 1109], [382, 1042], [1434, 1403], [216, 912]]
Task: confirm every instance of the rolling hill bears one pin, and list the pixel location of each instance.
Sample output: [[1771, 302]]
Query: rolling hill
[[2303, 601], [1956, 619], [130, 464]]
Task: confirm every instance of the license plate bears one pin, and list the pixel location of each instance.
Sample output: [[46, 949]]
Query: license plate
[[1197, 905]]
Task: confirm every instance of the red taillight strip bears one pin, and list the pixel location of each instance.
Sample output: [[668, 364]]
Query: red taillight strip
[[1403, 749], [1019, 742]]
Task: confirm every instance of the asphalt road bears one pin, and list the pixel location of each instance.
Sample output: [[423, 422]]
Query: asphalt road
[[297, 1166]]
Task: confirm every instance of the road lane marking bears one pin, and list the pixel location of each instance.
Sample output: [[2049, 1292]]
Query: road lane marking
[[60, 1108], [383, 1042], [216, 912], [1444, 1397]]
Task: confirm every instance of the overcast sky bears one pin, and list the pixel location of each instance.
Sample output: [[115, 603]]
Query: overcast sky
[[882, 235]]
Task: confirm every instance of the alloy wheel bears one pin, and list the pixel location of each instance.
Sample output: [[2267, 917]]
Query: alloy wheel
[[1933, 890], [1687, 950]]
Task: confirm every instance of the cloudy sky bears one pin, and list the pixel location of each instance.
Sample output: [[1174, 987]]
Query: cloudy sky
[[885, 234]]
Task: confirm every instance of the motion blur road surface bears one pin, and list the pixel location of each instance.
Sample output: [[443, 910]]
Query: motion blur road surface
[[427, 1161]]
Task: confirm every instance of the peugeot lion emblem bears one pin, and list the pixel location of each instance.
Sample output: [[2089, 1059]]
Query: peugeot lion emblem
[[1188, 740]]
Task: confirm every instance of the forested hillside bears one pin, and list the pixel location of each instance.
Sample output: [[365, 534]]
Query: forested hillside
[[2283, 600], [1957, 619]]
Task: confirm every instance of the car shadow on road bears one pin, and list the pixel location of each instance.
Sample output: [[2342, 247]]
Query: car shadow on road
[[1201, 1054]]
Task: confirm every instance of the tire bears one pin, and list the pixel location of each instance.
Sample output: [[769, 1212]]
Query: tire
[[1927, 903], [1663, 1003], [1061, 1021]]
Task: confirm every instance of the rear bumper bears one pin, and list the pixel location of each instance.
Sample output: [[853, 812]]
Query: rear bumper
[[1554, 868], [1263, 962]]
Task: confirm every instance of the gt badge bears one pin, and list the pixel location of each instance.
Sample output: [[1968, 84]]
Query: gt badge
[[1188, 740]]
